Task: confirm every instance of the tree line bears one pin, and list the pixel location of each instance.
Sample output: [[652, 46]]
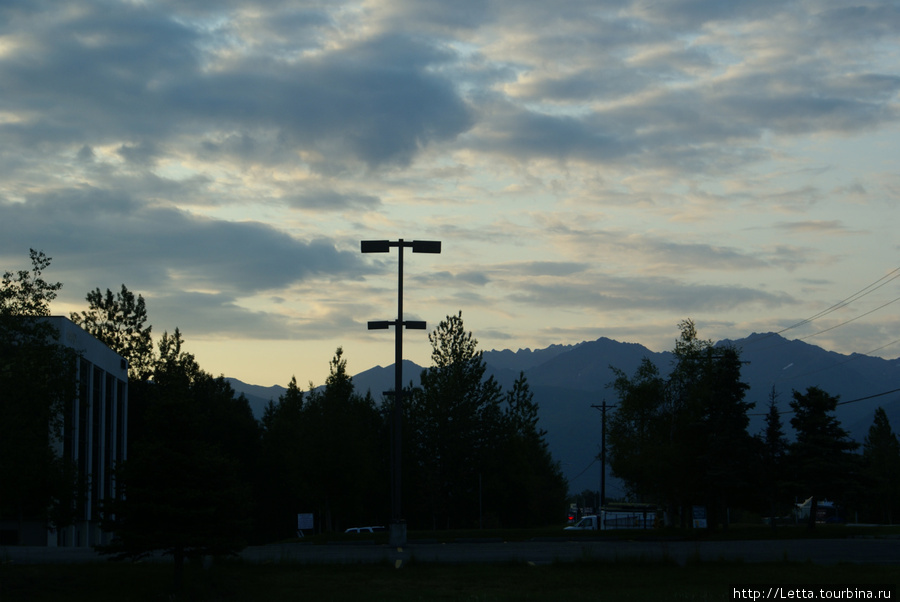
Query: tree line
[[681, 441], [204, 476]]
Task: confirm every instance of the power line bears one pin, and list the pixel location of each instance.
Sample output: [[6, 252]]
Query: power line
[[850, 320], [890, 276], [840, 403], [585, 470], [884, 280], [841, 363]]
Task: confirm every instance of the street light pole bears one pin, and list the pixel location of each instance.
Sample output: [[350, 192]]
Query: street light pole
[[398, 525]]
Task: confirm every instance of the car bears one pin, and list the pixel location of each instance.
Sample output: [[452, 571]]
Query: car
[[365, 529]]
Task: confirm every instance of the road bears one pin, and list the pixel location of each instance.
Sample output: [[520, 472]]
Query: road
[[819, 551], [827, 551]]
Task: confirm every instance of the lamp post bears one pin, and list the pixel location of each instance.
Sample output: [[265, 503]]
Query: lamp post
[[398, 525]]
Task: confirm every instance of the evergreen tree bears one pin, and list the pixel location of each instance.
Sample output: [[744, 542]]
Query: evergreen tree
[[773, 448], [283, 478], [346, 473], [185, 487], [479, 457], [528, 486], [821, 459], [881, 462], [454, 422]]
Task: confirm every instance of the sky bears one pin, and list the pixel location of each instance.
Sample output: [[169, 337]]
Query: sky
[[592, 169]]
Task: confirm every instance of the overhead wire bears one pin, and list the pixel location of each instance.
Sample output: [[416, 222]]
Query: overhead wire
[[890, 276], [884, 280], [840, 403], [585, 469], [850, 320], [849, 359]]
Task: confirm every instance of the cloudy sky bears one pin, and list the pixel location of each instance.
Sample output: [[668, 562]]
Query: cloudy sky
[[592, 168]]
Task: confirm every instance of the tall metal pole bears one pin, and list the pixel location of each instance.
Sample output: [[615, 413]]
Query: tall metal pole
[[398, 525], [398, 395]]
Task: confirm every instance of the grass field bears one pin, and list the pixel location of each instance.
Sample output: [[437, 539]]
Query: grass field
[[233, 580]]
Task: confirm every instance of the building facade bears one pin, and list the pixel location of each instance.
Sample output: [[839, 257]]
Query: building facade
[[95, 438]]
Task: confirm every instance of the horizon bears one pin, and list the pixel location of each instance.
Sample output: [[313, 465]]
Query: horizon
[[569, 347], [590, 169]]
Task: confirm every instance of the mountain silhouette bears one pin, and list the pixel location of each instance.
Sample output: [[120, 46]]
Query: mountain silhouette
[[567, 380]]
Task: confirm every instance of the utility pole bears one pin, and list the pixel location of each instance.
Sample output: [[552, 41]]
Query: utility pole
[[603, 407]]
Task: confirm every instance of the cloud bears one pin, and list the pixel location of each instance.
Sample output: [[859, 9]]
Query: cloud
[[330, 200], [655, 294], [105, 232], [646, 159], [380, 99], [813, 227]]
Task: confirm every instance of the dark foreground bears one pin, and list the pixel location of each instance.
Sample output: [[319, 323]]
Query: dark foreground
[[861, 550], [476, 570], [239, 580]]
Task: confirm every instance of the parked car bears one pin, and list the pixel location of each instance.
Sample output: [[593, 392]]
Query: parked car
[[365, 529]]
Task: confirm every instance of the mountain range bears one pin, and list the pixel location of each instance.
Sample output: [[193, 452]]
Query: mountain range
[[569, 380]]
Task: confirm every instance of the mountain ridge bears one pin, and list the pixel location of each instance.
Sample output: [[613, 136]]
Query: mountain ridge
[[567, 380]]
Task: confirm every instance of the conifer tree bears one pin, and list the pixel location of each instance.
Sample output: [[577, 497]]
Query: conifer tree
[[821, 459], [881, 459]]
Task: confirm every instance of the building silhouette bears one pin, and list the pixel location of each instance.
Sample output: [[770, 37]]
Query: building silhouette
[[95, 438]]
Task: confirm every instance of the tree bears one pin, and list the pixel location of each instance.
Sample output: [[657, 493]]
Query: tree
[[118, 320], [185, 487], [639, 435], [343, 464], [27, 293], [527, 484], [773, 446], [821, 457], [684, 440], [37, 386], [881, 467], [479, 457], [283, 478], [454, 420]]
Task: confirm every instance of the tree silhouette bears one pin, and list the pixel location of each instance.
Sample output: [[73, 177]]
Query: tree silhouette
[[478, 456], [453, 420], [881, 461], [683, 440], [119, 321], [37, 387], [821, 459], [185, 487]]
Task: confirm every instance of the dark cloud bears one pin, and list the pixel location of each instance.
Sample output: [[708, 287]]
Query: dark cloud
[[330, 200], [530, 134], [108, 233], [875, 20], [646, 294], [200, 314], [437, 14], [657, 253], [142, 154], [694, 13], [133, 73]]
